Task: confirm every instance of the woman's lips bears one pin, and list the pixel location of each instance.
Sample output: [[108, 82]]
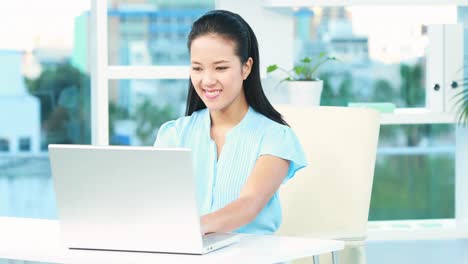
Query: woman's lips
[[212, 94]]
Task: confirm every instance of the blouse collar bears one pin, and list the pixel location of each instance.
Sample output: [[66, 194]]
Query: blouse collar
[[242, 123]]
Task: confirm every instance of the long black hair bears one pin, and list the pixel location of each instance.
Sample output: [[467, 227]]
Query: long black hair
[[233, 27]]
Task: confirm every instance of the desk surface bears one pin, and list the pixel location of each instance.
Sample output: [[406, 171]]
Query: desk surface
[[39, 240]]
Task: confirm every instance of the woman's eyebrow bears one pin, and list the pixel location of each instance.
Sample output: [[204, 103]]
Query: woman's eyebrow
[[216, 62], [220, 61]]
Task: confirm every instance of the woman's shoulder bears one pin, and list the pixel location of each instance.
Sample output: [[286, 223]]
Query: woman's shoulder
[[267, 125], [173, 132]]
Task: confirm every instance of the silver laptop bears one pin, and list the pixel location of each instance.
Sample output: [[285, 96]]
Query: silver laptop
[[129, 198]]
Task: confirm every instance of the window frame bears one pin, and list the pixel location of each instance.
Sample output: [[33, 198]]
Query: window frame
[[436, 110]]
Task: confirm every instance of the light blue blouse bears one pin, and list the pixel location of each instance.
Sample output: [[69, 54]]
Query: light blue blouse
[[220, 180]]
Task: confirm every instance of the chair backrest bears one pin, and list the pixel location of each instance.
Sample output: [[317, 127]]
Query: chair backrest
[[330, 198]]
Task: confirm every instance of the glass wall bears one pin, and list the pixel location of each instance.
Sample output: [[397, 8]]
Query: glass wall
[[414, 173], [152, 32], [45, 94], [137, 108], [44, 99], [381, 51]]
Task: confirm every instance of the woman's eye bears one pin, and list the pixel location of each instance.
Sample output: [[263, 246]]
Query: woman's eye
[[222, 68], [196, 69]]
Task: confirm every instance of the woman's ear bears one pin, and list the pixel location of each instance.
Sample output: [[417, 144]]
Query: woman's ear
[[247, 68]]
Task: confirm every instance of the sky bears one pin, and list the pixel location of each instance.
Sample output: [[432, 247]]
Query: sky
[[27, 23]]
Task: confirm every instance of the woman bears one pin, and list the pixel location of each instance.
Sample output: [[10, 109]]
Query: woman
[[242, 148]]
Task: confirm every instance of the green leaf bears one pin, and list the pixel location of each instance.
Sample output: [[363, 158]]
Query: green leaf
[[286, 80], [305, 69], [306, 60], [272, 68], [299, 69], [462, 105]]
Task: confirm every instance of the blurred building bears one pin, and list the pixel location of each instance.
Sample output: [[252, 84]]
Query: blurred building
[[21, 123], [142, 33], [329, 30]]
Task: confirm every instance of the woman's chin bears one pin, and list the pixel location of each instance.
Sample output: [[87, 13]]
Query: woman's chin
[[212, 106]]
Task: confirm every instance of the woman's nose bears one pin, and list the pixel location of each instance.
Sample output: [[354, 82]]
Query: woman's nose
[[208, 79]]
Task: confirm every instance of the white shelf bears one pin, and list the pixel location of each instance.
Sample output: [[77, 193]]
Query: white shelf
[[400, 116], [416, 116]]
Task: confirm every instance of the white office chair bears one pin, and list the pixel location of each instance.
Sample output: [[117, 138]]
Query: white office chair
[[330, 198]]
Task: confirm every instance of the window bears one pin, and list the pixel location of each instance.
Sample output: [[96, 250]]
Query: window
[[4, 145], [382, 59], [46, 85], [391, 62], [164, 23], [141, 98], [25, 144], [414, 173], [137, 108], [394, 61]]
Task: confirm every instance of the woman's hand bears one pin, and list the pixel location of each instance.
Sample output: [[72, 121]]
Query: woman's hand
[[204, 225]]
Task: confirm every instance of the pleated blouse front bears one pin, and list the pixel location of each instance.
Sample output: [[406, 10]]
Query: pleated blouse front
[[220, 179]]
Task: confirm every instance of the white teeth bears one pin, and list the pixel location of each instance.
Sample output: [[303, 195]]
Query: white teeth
[[212, 94]]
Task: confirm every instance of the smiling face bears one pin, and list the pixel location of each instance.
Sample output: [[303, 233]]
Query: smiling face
[[217, 73]]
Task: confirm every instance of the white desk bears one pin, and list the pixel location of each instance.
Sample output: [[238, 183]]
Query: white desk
[[38, 240]]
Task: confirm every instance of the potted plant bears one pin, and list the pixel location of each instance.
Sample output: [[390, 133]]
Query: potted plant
[[304, 87], [462, 103]]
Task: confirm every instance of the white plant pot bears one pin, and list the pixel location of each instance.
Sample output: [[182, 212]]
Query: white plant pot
[[305, 93]]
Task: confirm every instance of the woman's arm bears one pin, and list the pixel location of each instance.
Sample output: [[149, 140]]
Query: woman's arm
[[265, 179]]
